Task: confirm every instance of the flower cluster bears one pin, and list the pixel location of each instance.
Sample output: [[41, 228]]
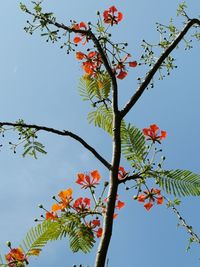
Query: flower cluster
[[92, 61], [151, 196], [81, 205], [154, 133], [91, 64], [16, 257]]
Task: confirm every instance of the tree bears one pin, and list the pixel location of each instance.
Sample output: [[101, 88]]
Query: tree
[[100, 83]]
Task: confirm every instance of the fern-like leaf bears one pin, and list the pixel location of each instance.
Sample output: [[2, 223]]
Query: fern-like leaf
[[133, 144], [87, 89], [90, 88], [82, 238], [39, 236], [180, 182], [102, 117]]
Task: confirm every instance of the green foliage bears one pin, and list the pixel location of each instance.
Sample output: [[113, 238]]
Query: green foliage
[[171, 203], [181, 9], [95, 90], [102, 117], [80, 236], [133, 144], [180, 182]]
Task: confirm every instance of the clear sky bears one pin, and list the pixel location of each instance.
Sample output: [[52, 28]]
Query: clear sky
[[38, 82]]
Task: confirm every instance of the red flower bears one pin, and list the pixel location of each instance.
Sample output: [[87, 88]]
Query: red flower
[[15, 256], [88, 181], [82, 204], [119, 205], [152, 196], [122, 173], [80, 37], [120, 67], [154, 134], [92, 64], [111, 16], [93, 224], [99, 232]]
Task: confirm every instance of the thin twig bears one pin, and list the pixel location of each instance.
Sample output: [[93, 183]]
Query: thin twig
[[183, 223], [62, 133]]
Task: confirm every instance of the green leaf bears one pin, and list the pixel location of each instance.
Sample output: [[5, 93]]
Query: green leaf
[[102, 117], [133, 144], [99, 88], [80, 236], [180, 182], [87, 89]]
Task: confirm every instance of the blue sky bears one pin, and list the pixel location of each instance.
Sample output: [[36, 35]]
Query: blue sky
[[38, 82]]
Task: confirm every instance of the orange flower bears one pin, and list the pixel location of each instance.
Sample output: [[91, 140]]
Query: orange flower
[[88, 181], [51, 216], [152, 195], [66, 198], [153, 133], [15, 256], [82, 204], [111, 16]]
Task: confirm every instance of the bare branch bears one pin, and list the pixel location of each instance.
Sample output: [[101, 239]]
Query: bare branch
[[62, 133], [157, 65]]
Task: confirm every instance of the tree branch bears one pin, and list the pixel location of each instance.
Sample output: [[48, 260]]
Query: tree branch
[[104, 57], [157, 65], [182, 221], [62, 133]]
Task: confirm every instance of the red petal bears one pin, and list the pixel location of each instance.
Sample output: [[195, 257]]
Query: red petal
[[160, 200], [120, 205], [91, 54], [95, 175], [148, 206], [163, 135], [120, 16], [154, 128], [132, 64], [99, 232], [112, 9], [77, 39], [122, 75], [141, 198]]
